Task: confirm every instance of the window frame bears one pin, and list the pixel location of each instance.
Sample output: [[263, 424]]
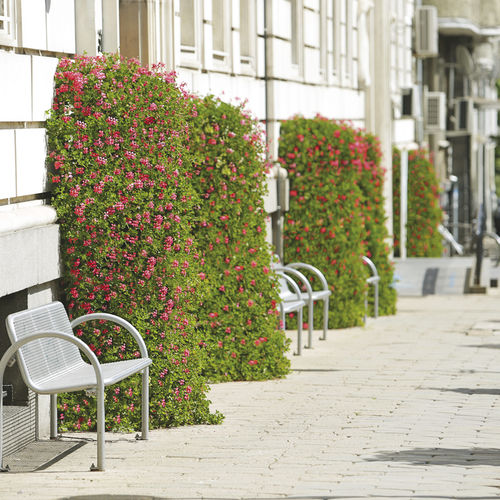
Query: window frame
[[248, 63], [221, 59], [8, 36], [191, 55]]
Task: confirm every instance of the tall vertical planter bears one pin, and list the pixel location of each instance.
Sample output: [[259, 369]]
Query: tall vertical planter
[[240, 314], [371, 183], [118, 140], [424, 212], [324, 226]]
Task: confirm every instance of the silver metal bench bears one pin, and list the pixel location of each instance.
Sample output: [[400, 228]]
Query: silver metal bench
[[291, 302], [50, 362], [372, 280], [310, 296]]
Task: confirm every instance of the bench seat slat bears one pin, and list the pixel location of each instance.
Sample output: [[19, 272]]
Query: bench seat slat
[[83, 376]]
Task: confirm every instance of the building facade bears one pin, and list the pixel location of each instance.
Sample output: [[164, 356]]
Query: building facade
[[464, 76], [353, 60]]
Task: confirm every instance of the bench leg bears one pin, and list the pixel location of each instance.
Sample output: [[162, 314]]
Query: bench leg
[[366, 307], [325, 318], [310, 307], [101, 421], [2, 468], [145, 403], [299, 332], [53, 416]]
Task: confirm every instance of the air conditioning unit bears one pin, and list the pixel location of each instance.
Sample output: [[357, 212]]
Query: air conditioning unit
[[464, 115], [426, 31], [410, 102], [434, 111]]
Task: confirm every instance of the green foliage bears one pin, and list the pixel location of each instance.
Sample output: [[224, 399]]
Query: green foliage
[[371, 182], [119, 146], [424, 212], [324, 226], [240, 314], [337, 212]]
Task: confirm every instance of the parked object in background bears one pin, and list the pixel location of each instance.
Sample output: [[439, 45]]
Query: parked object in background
[[452, 241], [50, 362]]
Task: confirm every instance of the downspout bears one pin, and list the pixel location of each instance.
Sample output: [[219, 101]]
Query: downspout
[[266, 84], [276, 171]]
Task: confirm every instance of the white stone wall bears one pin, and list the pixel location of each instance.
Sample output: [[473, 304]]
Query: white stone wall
[[41, 32]]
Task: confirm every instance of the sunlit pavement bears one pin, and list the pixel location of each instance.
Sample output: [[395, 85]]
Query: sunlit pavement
[[406, 407]]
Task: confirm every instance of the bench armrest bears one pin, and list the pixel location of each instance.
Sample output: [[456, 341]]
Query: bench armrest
[[119, 321], [312, 269], [290, 281], [289, 270], [371, 265], [53, 334]]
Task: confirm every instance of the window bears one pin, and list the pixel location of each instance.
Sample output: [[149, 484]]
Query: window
[[7, 21], [190, 30], [134, 29], [323, 40], [294, 35], [220, 31], [247, 35], [333, 37], [345, 38], [401, 65], [345, 42], [188, 26]]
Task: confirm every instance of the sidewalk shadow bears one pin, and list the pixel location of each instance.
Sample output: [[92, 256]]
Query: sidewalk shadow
[[465, 390], [464, 457], [485, 346], [147, 497]]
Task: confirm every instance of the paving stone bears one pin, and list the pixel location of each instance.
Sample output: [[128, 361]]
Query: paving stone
[[406, 407]]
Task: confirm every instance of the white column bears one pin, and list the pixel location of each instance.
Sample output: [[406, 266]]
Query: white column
[[404, 202], [378, 108], [88, 21], [110, 26]]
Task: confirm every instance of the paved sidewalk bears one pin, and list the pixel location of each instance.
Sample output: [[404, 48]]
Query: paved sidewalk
[[406, 407]]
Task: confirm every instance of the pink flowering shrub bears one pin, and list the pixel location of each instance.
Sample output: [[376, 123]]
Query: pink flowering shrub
[[118, 140], [241, 313], [337, 212], [371, 182], [424, 212], [324, 226]]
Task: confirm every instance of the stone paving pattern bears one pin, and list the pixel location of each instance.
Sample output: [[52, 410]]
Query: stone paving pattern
[[405, 407]]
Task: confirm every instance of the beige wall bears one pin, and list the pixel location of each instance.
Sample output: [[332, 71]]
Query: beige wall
[[483, 13]]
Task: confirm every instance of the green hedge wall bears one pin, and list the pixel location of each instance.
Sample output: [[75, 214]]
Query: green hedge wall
[[324, 226], [377, 249], [241, 312], [337, 212], [424, 212], [118, 140]]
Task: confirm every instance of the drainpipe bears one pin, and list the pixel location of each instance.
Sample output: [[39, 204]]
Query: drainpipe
[[277, 171], [266, 82], [404, 202]]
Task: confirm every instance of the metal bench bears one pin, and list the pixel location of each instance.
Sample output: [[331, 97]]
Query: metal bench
[[372, 280], [291, 302], [310, 296], [50, 362]]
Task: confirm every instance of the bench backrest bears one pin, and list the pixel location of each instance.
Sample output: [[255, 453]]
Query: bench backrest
[[43, 358], [285, 292]]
